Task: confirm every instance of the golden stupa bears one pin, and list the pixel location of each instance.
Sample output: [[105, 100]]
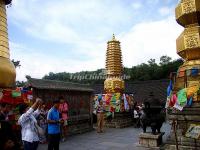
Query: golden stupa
[[114, 68], [188, 43], [188, 47], [7, 69]]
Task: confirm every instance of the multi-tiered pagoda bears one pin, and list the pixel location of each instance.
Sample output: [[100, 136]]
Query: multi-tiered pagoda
[[114, 68], [186, 121]]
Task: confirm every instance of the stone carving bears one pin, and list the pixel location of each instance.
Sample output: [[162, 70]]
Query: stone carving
[[188, 7], [192, 41]]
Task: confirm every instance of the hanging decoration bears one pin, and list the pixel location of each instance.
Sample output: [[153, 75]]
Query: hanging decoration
[[115, 102]]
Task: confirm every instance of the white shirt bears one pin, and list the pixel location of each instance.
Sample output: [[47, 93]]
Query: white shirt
[[136, 114], [27, 121]]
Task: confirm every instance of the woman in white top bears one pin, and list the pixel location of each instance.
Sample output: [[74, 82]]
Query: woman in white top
[[28, 123]]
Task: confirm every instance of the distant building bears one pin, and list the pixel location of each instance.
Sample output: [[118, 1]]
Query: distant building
[[78, 96]]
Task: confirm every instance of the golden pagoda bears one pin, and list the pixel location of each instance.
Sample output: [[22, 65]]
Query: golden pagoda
[[188, 47], [188, 43], [7, 69], [114, 68]]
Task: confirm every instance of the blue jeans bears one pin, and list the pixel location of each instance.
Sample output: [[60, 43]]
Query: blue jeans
[[30, 146]]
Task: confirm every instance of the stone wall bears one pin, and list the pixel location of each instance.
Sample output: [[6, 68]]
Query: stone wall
[[189, 115]]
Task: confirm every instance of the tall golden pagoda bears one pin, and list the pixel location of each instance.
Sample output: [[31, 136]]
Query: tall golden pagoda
[[188, 47], [114, 68], [7, 69], [188, 43]]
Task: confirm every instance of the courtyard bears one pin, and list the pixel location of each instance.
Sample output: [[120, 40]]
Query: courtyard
[[112, 139]]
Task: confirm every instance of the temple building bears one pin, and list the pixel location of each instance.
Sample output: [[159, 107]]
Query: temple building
[[78, 96]]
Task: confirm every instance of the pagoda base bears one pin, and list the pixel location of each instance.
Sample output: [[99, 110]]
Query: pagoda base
[[183, 143], [189, 115], [150, 140], [120, 120]]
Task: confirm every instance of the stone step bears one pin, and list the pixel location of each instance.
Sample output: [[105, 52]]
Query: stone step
[[180, 147]]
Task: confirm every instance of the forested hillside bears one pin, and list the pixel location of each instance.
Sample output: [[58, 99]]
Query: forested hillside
[[145, 71]]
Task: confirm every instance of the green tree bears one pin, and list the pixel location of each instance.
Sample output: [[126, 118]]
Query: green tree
[[16, 63], [165, 60]]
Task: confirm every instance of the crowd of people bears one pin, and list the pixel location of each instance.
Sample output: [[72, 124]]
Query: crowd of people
[[36, 124], [137, 112]]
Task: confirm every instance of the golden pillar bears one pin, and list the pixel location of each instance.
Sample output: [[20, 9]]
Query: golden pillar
[[188, 47], [188, 43], [114, 68], [7, 69]]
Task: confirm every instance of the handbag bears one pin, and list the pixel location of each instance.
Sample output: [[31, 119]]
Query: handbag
[[39, 130]]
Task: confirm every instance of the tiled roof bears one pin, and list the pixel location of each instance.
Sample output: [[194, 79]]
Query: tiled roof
[[58, 85], [142, 89]]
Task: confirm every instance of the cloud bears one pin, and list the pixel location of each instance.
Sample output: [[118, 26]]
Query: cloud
[[144, 41], [37, 65], [165, 11], [69, 22], [136, 5], [74, 34], [150, 40]]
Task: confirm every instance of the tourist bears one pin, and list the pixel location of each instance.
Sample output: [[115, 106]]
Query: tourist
[[54, 121], [28, 124], [6, 134], [43, 122], [100, 116], [63, 109], [136, 117], [5, 109]]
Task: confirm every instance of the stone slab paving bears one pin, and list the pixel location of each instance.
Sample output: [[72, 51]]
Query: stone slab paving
[[112, 139]]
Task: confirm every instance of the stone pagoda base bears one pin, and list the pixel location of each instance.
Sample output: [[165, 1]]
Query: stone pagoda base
[[149, 140], [189, 115], [120, 120], [184, 143]]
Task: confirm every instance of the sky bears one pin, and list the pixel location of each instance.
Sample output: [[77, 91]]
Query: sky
[[71, 35]]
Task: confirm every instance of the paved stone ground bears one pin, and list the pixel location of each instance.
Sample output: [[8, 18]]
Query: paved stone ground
[[112, 139]]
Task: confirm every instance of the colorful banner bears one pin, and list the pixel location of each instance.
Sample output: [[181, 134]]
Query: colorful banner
[[114, 102]]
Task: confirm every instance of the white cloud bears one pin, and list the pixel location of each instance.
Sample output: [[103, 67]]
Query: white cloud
[[166, 11], [150, 40], [37, 65], [144, 41], [87, 27], [66, 21], [136, 5]]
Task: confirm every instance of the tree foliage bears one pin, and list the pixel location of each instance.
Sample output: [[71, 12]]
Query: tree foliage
[[145, 71], [16, 63]]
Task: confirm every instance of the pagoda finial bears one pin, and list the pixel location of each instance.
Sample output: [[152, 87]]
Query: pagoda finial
[[113, 38]]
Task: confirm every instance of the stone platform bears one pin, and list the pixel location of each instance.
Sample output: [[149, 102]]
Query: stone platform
[[150, 140], [120, 120], [79, 124], [189, 115], [184, 143]]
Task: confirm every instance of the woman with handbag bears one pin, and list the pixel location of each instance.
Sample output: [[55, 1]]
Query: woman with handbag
[[30, 130]]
